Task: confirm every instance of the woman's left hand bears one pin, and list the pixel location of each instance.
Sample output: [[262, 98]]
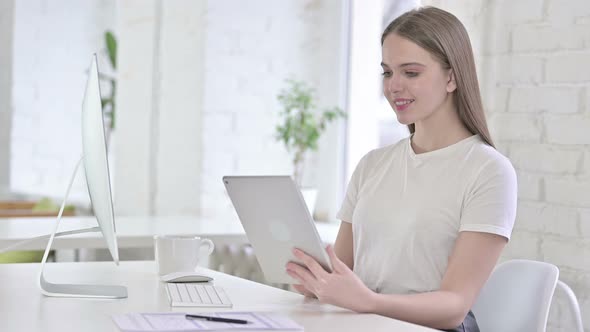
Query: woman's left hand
[[340, 287]]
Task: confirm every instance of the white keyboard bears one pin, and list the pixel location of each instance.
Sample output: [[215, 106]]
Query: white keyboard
[[197, 295]]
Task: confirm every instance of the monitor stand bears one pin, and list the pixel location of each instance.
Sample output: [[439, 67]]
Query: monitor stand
[[74, 290]]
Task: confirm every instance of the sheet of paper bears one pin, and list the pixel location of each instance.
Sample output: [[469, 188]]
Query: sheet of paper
[[176, 322]]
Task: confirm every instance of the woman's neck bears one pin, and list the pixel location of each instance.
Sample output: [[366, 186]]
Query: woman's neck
[[441, 129]]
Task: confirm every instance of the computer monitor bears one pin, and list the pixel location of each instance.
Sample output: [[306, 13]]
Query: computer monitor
[[99, 188], [95, 160]]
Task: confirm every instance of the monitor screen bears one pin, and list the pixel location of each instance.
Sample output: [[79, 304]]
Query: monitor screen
[[95, 160]]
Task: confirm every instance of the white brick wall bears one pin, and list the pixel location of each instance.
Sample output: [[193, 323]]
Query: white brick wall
[[545, 158], [181, 99], [53, 42], [160, 102], [523, 244], [530, 186], [135, 98], [571, 68], [544, 99], [520, 127], [230, 107], [567, 130], [515, 69], [567, 253], [526, 39], [540, 217], [567, 191], [249, 54], [584, 222], [539, 50], [518, 12], [566, 12]]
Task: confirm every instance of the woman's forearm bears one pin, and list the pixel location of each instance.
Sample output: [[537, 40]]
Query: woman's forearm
[[439, 309]]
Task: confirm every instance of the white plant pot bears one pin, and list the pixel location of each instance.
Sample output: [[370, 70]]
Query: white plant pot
[[310, 195]]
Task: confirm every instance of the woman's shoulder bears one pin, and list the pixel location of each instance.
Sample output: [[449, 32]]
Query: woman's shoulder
[[379, 158], [485, 152], [488, 160]]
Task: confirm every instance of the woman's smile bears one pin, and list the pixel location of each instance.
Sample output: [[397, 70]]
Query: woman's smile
[[402, 104]]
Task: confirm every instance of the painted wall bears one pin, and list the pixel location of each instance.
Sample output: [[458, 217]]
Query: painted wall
[[197, 99], [534, 66], [52, 46]]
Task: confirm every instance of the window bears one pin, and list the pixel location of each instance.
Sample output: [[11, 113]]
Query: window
[[372, 122]]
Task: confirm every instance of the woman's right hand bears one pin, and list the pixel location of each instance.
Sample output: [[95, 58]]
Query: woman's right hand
[[306, 292]]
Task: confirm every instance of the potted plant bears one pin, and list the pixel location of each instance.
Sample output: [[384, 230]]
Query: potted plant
[[108, 100], [301, 126], [108, 79]]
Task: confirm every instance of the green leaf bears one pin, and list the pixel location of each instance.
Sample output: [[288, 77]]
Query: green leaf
[[111, 47], [104, 102], [302, 123]]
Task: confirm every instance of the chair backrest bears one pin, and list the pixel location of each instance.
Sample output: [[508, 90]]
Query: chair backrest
[[516, 297]]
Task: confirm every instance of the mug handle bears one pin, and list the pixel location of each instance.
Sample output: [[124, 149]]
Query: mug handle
[[210, 245]]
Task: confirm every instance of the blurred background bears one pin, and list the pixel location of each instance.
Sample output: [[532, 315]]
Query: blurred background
[[193, 89]]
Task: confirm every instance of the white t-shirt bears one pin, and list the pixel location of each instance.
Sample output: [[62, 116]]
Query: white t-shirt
[[407, 210]]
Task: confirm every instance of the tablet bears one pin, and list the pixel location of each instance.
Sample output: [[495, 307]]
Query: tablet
[[276, 220]]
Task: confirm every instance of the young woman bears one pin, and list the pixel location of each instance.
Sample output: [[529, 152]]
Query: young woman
[[424, 220]]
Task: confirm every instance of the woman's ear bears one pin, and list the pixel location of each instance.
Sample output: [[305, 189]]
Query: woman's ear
[[451, 83]]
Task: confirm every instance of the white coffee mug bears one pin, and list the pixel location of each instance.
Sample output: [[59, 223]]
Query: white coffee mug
[[175, 253]]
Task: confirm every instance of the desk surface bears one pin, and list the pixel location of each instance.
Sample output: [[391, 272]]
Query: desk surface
[[132, 232], [23, 308]]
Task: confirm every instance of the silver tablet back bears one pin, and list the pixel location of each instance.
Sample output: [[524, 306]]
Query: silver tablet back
[[276, 220]]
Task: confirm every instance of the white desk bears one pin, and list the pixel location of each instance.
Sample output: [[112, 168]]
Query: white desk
[[132, 232], [23, 308]]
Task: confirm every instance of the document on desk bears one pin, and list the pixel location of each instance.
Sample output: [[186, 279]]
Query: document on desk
[[177, 322]]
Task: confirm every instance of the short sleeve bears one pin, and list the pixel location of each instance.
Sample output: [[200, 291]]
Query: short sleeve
[[490, 205], [349, 203]]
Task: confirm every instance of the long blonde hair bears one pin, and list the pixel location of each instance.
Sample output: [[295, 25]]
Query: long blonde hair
[[444, 36]]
